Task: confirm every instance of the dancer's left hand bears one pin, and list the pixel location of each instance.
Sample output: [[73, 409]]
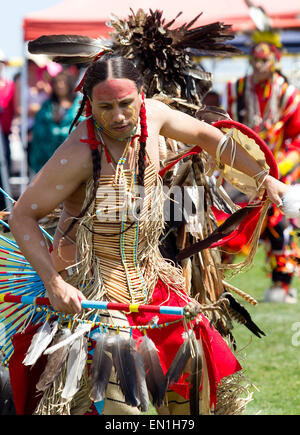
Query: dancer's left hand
[[275, 190]]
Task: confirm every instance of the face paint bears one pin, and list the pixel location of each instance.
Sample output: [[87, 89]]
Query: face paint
[[263, 60], [113, 89], [115, 106]]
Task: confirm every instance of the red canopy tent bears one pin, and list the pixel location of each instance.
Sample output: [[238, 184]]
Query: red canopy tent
[[89, 17]]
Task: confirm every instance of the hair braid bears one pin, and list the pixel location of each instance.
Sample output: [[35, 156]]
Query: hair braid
[[96, 158], [143, 141], [79, 113]]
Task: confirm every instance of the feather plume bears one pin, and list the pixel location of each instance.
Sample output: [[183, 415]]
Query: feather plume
[[291, 202], [75, 367], [55, 361], [81, 329], [165, 56], [179, 362], [240, 314], [142, 390], [100, 368], [259, 17], [40, 341], [124, 363], [226, 228], [196, 378], [155, 378], [67, 48]]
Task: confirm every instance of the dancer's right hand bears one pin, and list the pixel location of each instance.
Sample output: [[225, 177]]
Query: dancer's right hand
[[64, 297]]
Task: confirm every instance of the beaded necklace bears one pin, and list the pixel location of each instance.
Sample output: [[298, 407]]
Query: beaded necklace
[[109, 156]]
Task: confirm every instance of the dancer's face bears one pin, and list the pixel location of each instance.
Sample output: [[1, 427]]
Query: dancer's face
[[116, 105], [263, 62]]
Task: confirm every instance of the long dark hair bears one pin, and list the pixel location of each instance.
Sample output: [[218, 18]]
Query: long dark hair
[[98, 71]]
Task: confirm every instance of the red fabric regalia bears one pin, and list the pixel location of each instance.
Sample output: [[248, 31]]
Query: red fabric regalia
[[219, 359]]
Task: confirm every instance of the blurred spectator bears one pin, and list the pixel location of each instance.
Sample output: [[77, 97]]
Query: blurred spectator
[[39, 74], [7, 109], [267, 103], [7, 112], [52, 122]]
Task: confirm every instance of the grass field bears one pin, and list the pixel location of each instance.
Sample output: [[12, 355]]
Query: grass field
[[272, 363]]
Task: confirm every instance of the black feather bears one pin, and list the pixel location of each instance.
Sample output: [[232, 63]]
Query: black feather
[[179, 362], [196, 378], [142, 390], [65, 45], [236, 309], [230, 224], [100, 368], [124, 363], [155, 378]]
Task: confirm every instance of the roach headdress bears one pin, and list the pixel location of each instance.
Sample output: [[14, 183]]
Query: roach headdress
[[162, 53]]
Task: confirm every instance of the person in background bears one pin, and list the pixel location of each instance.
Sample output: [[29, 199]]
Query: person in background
[[53, 120], [7, 108], [39, 75], [7, 112], [268, 104]]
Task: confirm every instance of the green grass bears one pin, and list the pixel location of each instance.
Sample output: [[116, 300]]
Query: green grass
[[272, 363]]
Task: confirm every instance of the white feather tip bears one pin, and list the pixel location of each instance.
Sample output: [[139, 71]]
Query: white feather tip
[[291, 202]]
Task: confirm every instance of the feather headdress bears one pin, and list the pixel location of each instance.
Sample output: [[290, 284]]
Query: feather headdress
[[163, 55], [67, 48]]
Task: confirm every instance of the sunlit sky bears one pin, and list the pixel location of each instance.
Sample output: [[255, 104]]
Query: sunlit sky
[[11, 19], [11, 38]]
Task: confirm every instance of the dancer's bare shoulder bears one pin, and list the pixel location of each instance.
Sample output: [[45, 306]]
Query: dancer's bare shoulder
[[63, 177], [156, 111]]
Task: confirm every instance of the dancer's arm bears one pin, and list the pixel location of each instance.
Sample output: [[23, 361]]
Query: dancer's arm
[[59, 179], [184, 128]]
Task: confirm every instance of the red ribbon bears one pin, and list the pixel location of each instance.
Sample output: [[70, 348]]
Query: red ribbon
[[91, 140], [80, 85]]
